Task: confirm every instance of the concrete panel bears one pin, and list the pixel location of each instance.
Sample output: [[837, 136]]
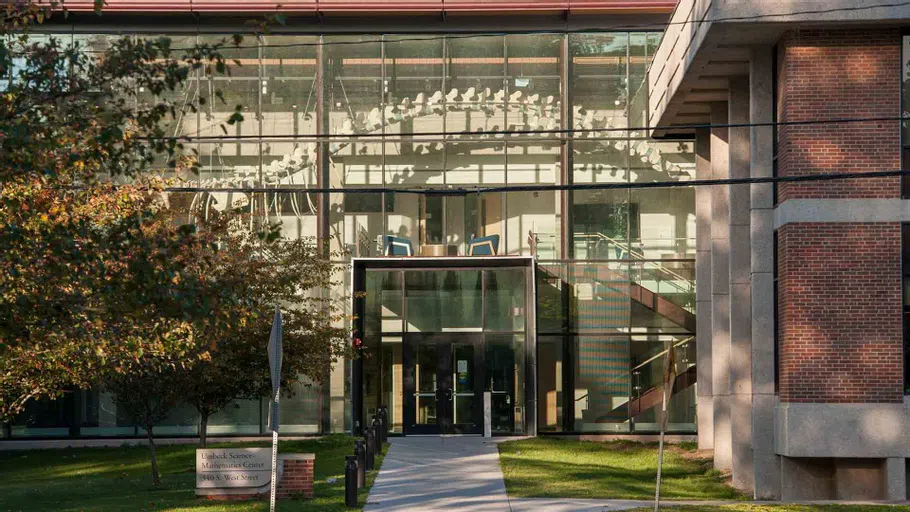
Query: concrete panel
[[762, 240], [720, 266], [738, 12], [876, 430], [741, 338], [762, 303], [766, 462], [723, 434], [703, 194], [741, 439], [896, 479], [841, 210], [740, 253], [859, 479], [807, 479], [705, 412], [720, 344], [703, 348]]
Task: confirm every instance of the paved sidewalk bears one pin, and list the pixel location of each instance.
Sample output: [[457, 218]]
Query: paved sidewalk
[[456, 473]]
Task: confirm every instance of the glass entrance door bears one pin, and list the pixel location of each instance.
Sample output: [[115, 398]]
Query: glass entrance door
[[443, 385]]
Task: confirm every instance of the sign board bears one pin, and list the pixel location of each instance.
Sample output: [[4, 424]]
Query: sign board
[[234, 469]]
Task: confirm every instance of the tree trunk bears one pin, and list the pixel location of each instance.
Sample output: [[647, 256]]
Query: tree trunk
[[156, 477], [203, 427]]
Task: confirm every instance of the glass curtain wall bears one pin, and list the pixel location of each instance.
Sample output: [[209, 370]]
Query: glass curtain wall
[[624, 296], [452, 112]]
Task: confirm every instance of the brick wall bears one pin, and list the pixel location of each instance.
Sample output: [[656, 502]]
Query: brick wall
[[839, 284], [296, 476], [839, 294], [837, 74]]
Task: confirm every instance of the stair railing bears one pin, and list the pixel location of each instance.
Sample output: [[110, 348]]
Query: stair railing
[[675, 277]]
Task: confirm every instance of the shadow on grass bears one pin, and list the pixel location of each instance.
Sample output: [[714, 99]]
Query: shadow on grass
[[115, 479], [565, 468]]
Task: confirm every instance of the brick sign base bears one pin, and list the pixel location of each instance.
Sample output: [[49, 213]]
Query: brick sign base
[[296, 475]]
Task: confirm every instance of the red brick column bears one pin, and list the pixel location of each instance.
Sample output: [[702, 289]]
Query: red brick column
[[838, 74], [839, 283], [296, 475], [839, 294]]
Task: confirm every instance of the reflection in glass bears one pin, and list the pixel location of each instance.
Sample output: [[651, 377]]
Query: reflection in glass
[[601, 223], [505, 381], [465, 403], [550, 396], [383, 303], [504, 304], [648, 358], [425, 372], [443, 300], [601, 384], [392, 392]]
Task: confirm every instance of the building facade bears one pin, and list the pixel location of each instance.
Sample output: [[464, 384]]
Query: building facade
[[801, 332], [564, 303]]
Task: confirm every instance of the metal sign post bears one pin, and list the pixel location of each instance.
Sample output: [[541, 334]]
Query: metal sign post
[[669, 378], [275, 353]]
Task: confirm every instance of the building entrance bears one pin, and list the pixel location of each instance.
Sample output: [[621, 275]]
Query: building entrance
[[439, 332], [442, 384]]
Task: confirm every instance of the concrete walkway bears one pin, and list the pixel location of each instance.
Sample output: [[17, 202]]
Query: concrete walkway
[[452, 473]]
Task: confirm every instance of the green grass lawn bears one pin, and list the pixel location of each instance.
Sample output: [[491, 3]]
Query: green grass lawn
[[785, 508], [103, 479], [552, 467]]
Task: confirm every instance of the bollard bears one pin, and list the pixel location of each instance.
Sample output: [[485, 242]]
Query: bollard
[[384, 417], [350, 480], [371, 449], [360, 450], [377, 431], [383, 426]]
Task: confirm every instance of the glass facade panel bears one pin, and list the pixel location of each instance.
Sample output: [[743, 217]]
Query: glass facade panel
[[601, 400], [648, 357], [384, 311], [504, 300], [239, 417], [599, 80], [443, 301], [550, 396], [505, 355], [597, 291]]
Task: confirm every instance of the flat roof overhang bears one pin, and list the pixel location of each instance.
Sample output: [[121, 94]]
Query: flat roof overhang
[[707, 42], [359, 7]]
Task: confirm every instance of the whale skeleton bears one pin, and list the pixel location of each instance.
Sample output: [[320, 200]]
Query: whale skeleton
[[538, 117]]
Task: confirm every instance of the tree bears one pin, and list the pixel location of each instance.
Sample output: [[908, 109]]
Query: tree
[[148, 392], [70, 121], [264, 271]]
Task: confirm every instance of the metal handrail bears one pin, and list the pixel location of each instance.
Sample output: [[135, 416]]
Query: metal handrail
[[629, 250], [661, 354]]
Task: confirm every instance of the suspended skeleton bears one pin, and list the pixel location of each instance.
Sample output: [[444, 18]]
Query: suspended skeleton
[[541, 116]]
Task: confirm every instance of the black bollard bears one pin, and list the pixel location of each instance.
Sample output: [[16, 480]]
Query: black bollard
[[383, 427], [360, 450], [384, 418], [350, 480], [371, 449]]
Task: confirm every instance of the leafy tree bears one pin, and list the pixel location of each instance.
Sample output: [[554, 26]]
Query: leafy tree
[[271, 271], [71, 122]]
